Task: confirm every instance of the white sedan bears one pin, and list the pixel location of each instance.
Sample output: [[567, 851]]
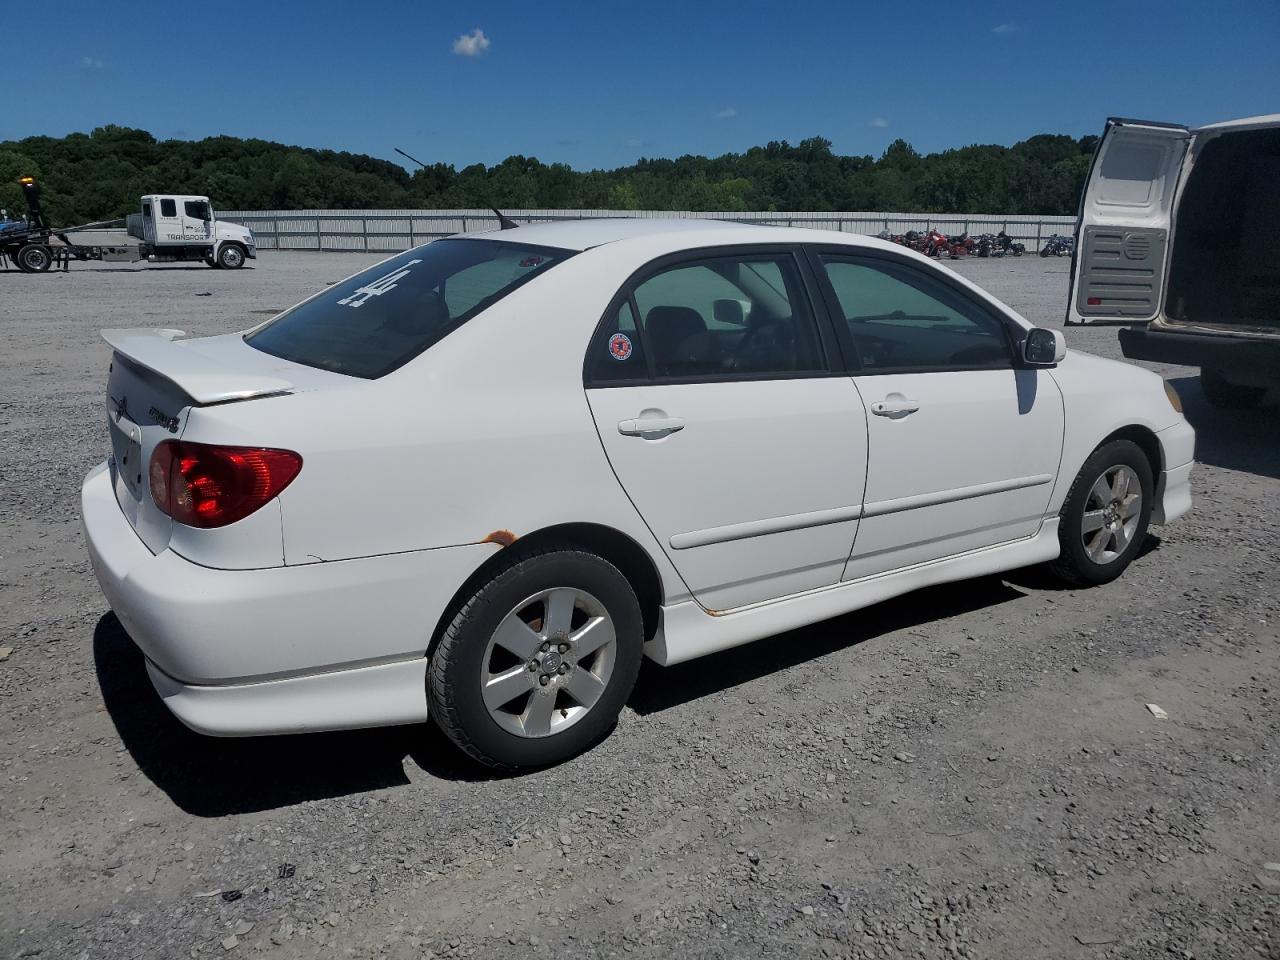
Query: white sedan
[[479, 481]]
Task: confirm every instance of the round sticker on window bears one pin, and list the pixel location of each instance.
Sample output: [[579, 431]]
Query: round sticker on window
[[620, 346]]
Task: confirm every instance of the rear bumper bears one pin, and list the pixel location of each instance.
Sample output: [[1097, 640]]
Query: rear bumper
[[388, 694], [319, 646], [1251, 355]]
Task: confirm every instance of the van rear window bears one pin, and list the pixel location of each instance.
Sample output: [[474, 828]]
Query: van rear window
[[384, 317]]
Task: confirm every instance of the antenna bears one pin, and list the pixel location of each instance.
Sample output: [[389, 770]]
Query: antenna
[[414, 159], [504, 222]]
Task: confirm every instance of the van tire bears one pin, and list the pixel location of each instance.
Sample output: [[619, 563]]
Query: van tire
[[1225, 395]]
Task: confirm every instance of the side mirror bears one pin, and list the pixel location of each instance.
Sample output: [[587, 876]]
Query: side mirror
[[1044, 347], [729, 311]]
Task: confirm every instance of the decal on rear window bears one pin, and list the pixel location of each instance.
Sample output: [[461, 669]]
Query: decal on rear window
[[620, 346], [406, 304], [382, 285]]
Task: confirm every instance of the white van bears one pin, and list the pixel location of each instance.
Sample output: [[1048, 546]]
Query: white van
[[1179, 229]]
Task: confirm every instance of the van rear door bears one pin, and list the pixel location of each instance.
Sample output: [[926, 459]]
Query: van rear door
[[1122, 233]]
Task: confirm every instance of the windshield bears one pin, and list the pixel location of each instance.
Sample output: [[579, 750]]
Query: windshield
[[384, 317]]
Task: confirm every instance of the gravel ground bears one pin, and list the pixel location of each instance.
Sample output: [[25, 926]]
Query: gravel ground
[[970, 771]]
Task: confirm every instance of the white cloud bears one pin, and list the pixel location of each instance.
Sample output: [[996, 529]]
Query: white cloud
[[471, 44], [726, 113], [878, 122], [1005, 28], [91, 63]]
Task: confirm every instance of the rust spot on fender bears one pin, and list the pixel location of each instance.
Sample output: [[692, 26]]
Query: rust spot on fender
[[503, 538]]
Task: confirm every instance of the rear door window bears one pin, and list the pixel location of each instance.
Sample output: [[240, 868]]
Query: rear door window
[[381, 319], [725, 317], [168, 208]]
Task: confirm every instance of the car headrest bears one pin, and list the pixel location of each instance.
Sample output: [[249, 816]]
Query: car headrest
[[668, 327]]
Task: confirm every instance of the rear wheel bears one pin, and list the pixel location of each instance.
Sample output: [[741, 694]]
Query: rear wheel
[[231, 256], [1103, 522], [1222, 393], [34, 258], [538, 663]]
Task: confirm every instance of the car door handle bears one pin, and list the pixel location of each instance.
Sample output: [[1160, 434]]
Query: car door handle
[[899, 406], [646, 425]]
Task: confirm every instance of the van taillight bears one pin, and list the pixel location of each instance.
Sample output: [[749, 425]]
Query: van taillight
[[203, 485]]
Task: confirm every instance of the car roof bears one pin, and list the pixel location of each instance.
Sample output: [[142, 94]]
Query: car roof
[[682, 232]]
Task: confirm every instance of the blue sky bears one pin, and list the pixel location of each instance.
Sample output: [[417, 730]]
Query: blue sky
[[601, 84]]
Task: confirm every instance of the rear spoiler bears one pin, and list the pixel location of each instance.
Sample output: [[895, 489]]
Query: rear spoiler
[[203, 379]]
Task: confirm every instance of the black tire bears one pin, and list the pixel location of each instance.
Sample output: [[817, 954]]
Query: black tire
[[1225, 395], [212, 263], [34, 258], [1074, 565], [231, 256], [454, 684], [1046, 252]]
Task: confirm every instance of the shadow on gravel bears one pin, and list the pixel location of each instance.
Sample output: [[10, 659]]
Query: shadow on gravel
[[1247, 440], [1039, 577], [214, 777], [660, 688]]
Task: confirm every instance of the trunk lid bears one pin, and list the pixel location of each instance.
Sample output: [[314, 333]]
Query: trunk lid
[[153, 384]]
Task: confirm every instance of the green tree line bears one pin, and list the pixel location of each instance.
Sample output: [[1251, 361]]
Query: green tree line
[[102, 174]]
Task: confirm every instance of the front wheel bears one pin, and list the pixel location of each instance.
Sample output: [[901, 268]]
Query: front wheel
[[1103, 523], [231, 257], [538, 663]]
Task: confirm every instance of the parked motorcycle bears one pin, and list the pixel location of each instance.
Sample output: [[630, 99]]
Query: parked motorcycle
[[1006, 246], [1058, 246]]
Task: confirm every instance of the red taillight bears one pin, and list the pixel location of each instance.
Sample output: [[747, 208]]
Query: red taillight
[[203, 485], [1093, 301]]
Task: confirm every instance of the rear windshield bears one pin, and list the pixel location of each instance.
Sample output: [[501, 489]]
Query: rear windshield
[[381, 319]]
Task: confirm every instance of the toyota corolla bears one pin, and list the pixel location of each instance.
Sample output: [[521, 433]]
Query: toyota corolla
[[480, 481]]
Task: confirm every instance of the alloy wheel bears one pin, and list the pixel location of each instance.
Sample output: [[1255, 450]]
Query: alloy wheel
[[1111, 514], [549, 662]]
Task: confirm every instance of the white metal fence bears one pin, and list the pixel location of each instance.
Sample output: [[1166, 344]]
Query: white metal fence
[[387, 231]]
